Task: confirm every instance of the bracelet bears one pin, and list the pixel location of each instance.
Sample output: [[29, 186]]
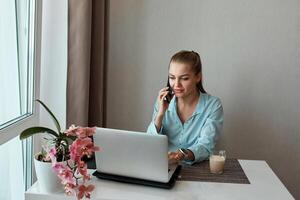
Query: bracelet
[[184, 152]]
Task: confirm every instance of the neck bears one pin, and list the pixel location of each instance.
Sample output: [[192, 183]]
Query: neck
[[189, 100]]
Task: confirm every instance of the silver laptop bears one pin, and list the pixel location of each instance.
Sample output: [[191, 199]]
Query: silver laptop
[[133, 154]]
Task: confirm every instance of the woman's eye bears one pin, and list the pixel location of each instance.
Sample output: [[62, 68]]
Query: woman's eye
[[172, 78], [185, 79]]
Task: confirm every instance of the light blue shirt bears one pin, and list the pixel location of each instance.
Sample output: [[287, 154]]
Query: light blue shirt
[[198, 133]]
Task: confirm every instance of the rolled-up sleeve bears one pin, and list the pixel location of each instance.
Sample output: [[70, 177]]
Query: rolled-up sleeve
[[152, 128], [210, 132]]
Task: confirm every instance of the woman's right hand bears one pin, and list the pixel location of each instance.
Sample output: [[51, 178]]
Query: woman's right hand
[[162, 104]]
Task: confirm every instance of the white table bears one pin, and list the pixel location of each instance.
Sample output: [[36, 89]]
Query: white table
[[264, 184]]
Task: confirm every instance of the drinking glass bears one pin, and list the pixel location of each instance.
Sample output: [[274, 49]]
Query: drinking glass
[[217, 161]]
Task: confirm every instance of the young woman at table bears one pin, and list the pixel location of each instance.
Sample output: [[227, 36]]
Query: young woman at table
[[193, 119]]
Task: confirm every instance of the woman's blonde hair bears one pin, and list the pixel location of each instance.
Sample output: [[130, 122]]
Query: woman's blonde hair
[[191, 58]]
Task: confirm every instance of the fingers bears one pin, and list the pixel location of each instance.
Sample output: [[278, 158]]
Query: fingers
[[163, 105], [171, 158], [163, 89], [171, 155], [179, 156], [175, 156], [162, 93]]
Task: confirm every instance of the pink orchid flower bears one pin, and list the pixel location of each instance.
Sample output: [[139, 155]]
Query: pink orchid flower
[[82, 170], [81, 147], [58, 167], [72, 130], [66, 176], [80, 132], [52, 154], [70, 189], [75, 168], [74, 149], [85, 191], [85, 132], [89, 148]]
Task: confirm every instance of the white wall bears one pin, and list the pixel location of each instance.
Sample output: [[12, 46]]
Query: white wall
[[250, 52], [54, 59], [53, 63]]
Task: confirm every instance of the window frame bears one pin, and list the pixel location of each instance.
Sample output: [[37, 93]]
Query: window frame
[[27, 121]]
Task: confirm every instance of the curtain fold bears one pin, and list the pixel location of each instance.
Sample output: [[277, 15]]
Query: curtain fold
[[97, 111], [87, 53]]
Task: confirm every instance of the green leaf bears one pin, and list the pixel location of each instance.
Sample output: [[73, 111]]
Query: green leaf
[[51, 114], [35, 130]]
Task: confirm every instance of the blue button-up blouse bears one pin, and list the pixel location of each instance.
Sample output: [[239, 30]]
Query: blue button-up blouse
[[198, 133]]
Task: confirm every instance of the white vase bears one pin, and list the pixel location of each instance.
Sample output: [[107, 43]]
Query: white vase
[[48, 181]]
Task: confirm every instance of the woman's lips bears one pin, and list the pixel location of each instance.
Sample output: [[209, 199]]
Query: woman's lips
[[178, 91]]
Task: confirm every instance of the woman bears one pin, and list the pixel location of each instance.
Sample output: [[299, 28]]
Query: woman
[[193, 119]]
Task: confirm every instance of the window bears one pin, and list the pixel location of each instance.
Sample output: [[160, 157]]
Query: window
[[16, 61], [12, 184], [19, 81]]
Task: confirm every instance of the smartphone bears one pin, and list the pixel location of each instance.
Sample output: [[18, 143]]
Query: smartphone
[[170, 94]]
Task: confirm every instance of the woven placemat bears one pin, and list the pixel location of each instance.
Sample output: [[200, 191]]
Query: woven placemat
[[233, 173]]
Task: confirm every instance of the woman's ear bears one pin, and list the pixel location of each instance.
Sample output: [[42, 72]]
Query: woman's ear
[[199, 77]]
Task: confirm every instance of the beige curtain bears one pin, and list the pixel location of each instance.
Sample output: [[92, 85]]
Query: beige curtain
[[87, 57]]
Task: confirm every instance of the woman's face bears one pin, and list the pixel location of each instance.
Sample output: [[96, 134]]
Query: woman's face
[[183, 79]]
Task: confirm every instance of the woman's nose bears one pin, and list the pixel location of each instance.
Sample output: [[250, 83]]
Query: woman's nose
[[177, 82]]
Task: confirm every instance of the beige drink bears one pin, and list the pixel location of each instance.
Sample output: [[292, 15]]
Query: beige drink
[[216, 164]]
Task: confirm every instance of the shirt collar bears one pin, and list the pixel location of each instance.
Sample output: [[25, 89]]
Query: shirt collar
[[199, 107], [201, 104]]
